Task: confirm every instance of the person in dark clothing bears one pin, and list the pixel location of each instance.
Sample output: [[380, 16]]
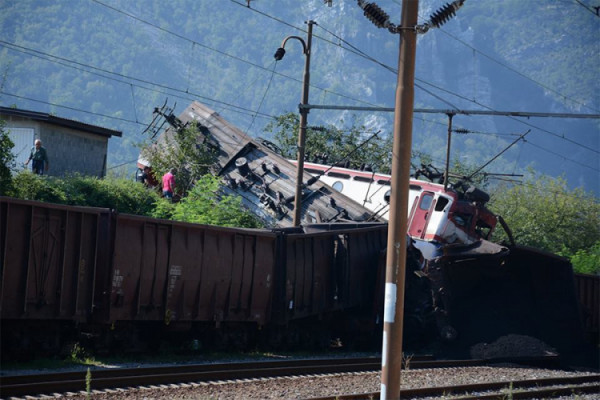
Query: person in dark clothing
[[39, 158], [146, 176]]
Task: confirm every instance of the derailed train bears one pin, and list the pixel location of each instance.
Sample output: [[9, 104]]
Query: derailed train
[[114, 281], [122, 281]]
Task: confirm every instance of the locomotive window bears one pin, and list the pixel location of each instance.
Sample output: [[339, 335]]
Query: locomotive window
[[338, 175], [337, 185], [313, 171], [384, 182], [426, 202], [441, 203], [363, 179]]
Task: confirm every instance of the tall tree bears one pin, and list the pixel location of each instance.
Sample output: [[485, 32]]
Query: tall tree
[[353, 147]]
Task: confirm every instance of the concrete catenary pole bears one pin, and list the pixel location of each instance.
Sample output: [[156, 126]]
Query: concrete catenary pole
[[396, 245]]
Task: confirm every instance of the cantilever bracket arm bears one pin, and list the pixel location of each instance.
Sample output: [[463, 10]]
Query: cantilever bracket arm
[[304, 48]]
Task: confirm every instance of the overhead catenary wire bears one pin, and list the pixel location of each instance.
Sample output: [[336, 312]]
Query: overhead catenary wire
[[263, 97], [522, 75], [499, 154], [279, 20], [593, 10], [391, 69], [72, 108], [362, 54], [387, 67], [219, 51], [527, 123], [92, 70], [560, 155], [235, 106]]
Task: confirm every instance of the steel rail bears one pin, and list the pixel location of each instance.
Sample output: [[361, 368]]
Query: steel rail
[[32, 384], [520, 389], [21, 385]]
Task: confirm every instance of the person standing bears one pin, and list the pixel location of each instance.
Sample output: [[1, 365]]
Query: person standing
[[143, 176], [168, 181], [39, 158]]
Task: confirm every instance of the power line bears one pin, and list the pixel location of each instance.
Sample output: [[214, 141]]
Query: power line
[[359, 52], [560, 155], [44, 56], [593, 10], [263, 97], [227, 55], [461, 131], [222, 52], [525, 123], [518, 73], [72, 108], [352, 49], [522, 137], [457, 95]]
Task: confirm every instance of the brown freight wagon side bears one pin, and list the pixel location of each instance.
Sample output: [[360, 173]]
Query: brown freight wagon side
[[175, 272], [50, 254], [588, 291], [328, 287], [329, 267]]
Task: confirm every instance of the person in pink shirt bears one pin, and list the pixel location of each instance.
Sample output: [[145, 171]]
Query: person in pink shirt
[[168, 180]]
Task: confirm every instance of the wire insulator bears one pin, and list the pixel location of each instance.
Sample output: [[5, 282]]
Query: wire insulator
[[376, 15], [463, 131], [441, 16]]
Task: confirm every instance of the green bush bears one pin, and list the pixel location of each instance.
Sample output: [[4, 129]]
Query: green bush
[[29, 186], [587, 261], [206, 205], [122, 195]]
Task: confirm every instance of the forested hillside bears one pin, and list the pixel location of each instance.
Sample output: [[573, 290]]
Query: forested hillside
[[111, 62]]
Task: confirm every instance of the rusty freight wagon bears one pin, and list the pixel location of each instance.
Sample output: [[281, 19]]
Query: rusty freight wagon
[[74, 274], [52, 257]]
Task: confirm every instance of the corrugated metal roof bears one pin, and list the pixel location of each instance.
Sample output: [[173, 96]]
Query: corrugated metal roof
[[68, 123]]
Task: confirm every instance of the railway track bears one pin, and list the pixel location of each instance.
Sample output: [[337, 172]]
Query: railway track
[[526, 389], [99, 379]]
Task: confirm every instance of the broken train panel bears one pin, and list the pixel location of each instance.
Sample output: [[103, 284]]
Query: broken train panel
[[485, 291], [265, 181]]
